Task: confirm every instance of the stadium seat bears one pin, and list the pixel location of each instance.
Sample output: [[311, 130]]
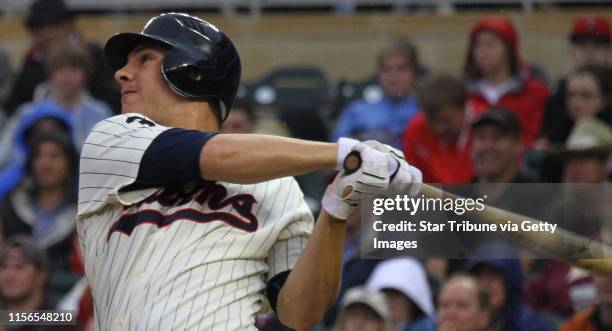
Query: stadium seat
[[290, 87]]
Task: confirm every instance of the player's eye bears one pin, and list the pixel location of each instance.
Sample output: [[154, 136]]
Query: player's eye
[[145, 57]]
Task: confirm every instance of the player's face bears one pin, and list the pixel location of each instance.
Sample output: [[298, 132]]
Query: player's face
[[359, 317], [583, 97], [489, 53], [459, 309], [143, 88], [493, 152], [18, 278], [396, 76], [50, 165]]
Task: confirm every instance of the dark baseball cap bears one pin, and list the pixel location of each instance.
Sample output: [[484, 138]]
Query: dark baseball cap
[[591, 27], [47, 12], [501, 118]]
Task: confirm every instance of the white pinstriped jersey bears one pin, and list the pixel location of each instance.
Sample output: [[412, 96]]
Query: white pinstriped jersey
[[168, 259]]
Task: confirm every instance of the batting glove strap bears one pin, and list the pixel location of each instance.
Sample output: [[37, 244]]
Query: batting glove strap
[[404, 179]]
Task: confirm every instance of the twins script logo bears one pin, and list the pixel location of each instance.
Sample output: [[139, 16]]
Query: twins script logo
[[180, 203]]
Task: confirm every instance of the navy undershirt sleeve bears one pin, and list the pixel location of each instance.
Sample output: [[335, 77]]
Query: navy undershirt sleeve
[[274, 286], [172, 158]]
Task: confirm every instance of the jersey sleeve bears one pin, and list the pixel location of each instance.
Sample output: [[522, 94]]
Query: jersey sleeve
[[292, 240], [110, 161]]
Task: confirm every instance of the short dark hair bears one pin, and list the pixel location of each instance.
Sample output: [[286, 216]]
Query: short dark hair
[[31, 252], [66, 54], [405, 48], [441, 90]]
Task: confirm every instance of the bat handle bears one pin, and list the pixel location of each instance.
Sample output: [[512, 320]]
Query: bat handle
[[352, 162]]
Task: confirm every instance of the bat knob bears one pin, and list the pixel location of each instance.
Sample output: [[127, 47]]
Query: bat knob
[[352, 162]]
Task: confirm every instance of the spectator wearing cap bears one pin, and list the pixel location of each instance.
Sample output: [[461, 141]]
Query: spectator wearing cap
[[68, 70], [496, 152], [437, 140], [589, 43], [586, 152], [497, 77], [50, 22], [407, 292], [463, 305], [582, 204], [584, 156], [496, 148], [598, 317], [43, 204], [23, 276], [502, 278], [363, 310], [384, 118]]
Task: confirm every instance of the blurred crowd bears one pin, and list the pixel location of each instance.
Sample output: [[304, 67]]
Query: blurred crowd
[[498, 121]]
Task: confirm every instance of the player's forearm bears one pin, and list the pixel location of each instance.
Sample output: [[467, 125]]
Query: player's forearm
[[252, 158], [313, 284]]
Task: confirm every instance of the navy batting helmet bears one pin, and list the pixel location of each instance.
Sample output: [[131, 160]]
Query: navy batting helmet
[[202, 61]]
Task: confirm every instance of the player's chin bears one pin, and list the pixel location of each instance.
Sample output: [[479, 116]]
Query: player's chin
[[130, 108]]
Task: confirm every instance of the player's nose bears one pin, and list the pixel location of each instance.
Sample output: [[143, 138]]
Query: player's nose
[[124, 74]]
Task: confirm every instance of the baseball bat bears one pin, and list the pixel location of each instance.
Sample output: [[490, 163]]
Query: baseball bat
[[563, 242]]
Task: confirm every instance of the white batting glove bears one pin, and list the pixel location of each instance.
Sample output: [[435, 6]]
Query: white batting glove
[[404, 177], [371, 178]]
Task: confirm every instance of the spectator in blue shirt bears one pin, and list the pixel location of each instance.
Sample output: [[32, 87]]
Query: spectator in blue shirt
[[384, 117]]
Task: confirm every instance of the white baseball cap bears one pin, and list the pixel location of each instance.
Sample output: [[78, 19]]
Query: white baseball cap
[[370, 298]]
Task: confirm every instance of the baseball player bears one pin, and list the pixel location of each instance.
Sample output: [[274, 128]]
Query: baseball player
[[183, 228]]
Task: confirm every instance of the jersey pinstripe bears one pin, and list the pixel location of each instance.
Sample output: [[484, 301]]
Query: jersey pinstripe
[[190, 258]]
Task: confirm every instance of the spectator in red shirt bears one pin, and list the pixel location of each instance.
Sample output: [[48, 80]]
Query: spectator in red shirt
[[498, 78], [437, 139]]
